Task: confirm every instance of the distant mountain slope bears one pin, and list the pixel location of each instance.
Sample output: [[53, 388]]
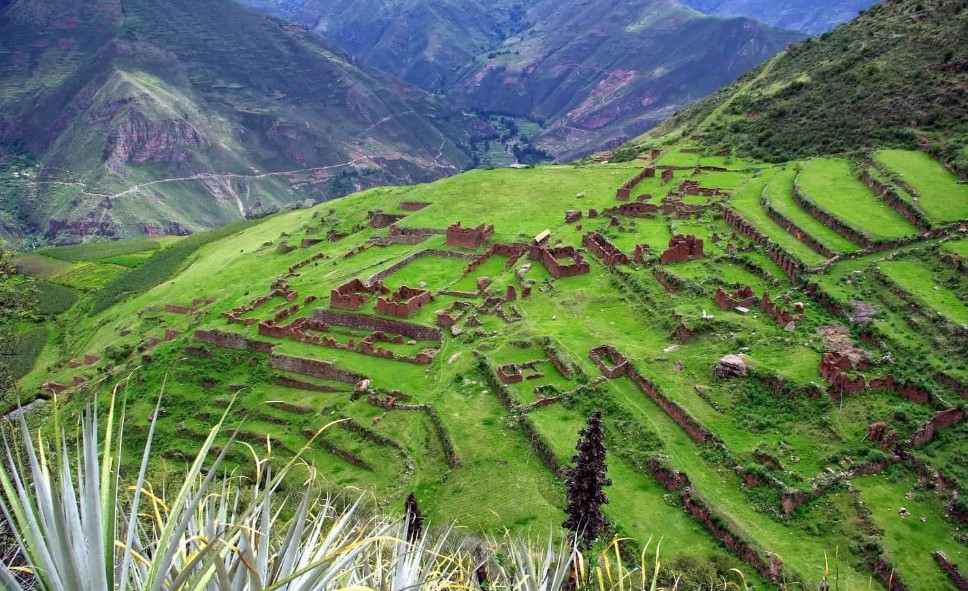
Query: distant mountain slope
[[597, 73], [593, 74], [807, 16], [146, 116], [420, 41], [896, 76]]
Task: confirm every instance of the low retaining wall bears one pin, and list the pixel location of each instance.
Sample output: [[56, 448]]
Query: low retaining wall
[[372, 323]]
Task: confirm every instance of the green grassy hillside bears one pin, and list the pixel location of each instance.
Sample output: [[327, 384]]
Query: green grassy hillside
[[450, 428], [133, 117]]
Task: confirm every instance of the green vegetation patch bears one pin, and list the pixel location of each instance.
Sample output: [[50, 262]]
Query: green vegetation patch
[[88, 276], [780, 194], [940, 195], [53, 299], [747, 203], [914, 278], [831, 184], [93, 251]]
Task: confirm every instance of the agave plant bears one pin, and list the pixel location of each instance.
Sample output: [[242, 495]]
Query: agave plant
[[79, 528]]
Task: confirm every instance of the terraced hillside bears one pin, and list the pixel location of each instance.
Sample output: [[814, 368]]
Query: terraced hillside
[[780, 382]]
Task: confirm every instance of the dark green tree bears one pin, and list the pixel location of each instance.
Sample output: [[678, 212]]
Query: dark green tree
[[586, 482], [415, 519]]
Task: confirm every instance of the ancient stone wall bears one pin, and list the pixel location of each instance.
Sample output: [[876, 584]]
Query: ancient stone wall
[[175, 309], [286, 382], [959, 580], [605, 250], [608, 359], [354, 294], [372, 323], [314, 368], [797, 232], [470, 238], [447, 254], [790, 265], [698, 433], [231, 341], [413, 205], [378, 219], [625, 191], [890, 195], [741, 298], [403, 303], [551, 259], [672, 480], [681, 249], [944, 419]]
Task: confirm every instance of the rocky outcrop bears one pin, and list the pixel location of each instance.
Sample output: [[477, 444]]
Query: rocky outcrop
[[140, 139], [730, 366]]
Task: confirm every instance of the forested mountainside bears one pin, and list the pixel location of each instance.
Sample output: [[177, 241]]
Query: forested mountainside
[[127, 117]]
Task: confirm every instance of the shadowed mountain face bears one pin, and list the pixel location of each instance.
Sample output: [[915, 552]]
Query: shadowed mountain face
[[807, 16], [597, 73], [592, 73], [125, 117]]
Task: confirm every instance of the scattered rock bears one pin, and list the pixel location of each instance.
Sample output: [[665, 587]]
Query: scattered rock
[[456, 330], [672, 348], [454, 357], [790, 326], [363, 385], [903, 512], [741, 310], [730, 366], [862, 312]]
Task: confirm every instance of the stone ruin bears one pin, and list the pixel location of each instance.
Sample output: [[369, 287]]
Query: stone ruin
[[404, 302], [398, 235], [454, 314], [741, 298], [379, 219], [625, 191], [514, 373], [681, 249], [561, 261], [572, 216], [355, 294], [608, 359], [605, 250], [667, 175], [470, 238], [413, 205]]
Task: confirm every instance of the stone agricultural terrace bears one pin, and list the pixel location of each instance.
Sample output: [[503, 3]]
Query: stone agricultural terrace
[[780, 373]]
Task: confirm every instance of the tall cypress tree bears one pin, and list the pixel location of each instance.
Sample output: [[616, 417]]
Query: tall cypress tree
[[414, 519], [586, 482]]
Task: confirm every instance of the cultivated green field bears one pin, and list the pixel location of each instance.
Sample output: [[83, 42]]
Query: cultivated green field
[[485, 453], [832, 184], [940, 196]]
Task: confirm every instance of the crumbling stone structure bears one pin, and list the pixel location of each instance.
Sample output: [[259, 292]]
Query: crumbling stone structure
[[681, 249], [454, 314], [403, 303], [378, 219], [572, 216], [447, 254], [942, 420], [175, 309], [608, 252], [354, 294], [777, 312], [305, 262], [558, 362], [608, 359], [741, 298], [561, 261], [624, 192], [470, 238], [667, 176]]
